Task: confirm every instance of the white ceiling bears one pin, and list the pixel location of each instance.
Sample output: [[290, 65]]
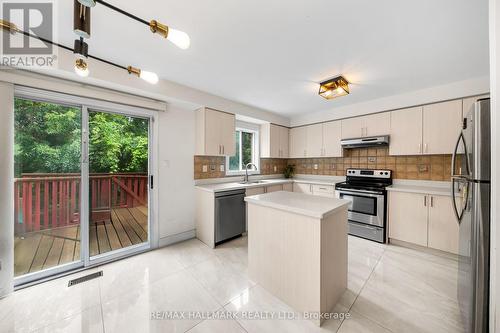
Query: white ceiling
[[271, 54]]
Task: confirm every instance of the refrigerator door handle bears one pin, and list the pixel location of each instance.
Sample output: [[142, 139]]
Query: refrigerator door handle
[[465, 194], [454, 157]]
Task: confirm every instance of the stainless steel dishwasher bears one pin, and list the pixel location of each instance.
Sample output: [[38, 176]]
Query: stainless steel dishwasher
[[230, 215]]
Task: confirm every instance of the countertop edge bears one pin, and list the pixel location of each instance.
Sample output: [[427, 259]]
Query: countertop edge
[[437, 190]]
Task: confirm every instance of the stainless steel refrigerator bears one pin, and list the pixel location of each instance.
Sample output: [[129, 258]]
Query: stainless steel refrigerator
[[471, 197]]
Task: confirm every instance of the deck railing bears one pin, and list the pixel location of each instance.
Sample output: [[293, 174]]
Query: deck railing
[[47, 201]]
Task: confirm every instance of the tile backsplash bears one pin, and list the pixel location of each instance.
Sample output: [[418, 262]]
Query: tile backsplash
[[213, 164], [418, 167], [430, 167]]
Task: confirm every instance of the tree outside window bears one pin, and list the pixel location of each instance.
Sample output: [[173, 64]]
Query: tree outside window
[[245, 151]]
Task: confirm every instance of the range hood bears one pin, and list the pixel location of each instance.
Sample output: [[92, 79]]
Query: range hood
[[374, 141]]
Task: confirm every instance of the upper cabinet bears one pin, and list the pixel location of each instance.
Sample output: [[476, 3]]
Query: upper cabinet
[[298, 142], [274, 141], [442, 123], [318, 140], [406, 132], [215, 133], [371, 125]]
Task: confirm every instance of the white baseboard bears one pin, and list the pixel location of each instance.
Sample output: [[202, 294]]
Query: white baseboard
[[172, 239]]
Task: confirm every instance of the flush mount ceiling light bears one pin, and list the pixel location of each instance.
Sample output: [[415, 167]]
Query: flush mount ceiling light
[[333, 88]]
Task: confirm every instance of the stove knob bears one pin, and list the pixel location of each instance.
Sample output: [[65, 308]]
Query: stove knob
[[386, 173]]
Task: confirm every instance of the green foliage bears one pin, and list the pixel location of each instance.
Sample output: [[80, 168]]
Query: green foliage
[[48, 140], [246, 151], [289, 171]]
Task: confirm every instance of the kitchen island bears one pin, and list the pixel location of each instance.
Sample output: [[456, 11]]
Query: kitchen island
[[297, 249]]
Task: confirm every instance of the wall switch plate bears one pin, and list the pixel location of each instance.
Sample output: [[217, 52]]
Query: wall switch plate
[[372, 159], [316, 167], [275, 168], [221, 168], [204, 168]]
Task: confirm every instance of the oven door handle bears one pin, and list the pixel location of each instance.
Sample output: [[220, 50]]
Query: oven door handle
[[367, 193]]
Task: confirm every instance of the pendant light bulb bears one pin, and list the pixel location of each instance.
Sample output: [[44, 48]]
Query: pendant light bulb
[[179, 38], [149, 77], [81, 68]]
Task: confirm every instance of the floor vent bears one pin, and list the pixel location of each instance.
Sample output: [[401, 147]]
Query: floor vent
[[84, 278]]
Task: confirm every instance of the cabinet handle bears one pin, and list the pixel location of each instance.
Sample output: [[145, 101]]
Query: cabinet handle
[[425, 201], [223, 149], [425, 148], [220, 152], [432, 201], [420, 148]]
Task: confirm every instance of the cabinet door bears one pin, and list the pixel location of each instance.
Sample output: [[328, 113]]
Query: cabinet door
[[228, 140], [377, 124], [332, 133], [274, 188], [443, 228], [254, 191], [352, 128], [288, 187], [213, 127], [323, 190], [406, 132], [442, 124], [298, 141], [314, 140], [408, 214], [284, 134], [274, 141], [302, 188]]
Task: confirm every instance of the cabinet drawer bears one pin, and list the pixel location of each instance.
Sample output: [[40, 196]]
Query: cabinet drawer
[[323, 190]]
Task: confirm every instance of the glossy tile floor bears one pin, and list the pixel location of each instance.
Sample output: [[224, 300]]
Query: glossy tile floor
[[391, 289]]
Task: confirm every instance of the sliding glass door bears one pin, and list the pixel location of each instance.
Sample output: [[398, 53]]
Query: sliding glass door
[[118, 182], [82, 184]]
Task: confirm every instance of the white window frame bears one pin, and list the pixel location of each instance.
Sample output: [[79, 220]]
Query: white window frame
[[255, 130]]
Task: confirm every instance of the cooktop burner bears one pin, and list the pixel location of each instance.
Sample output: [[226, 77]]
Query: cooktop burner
[[365, 179]]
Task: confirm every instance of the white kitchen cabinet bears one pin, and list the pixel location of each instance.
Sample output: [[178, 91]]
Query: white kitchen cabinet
[[302, 188], [314, 140], [406, 132], [408, 215], [274, 188], [274, 141], [255, 191], [423, 219], [323, 190], [370, 125], [332, 133], [288, 187], [442, 123], [215, 133], [352, 128], [443, 227], [298, 142]]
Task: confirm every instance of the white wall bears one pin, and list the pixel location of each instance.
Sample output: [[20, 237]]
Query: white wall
[[495, 165], [454, 90], [176, 172], [6, 188]]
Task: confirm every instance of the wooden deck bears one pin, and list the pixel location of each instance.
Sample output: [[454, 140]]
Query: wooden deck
[[44, 249]]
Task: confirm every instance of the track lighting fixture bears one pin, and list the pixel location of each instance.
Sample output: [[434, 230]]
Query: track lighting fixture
[[87, 3], [177, 37], [81, 20], [149, 77]]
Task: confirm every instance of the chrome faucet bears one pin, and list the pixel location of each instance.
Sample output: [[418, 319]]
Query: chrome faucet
[[246, 170]]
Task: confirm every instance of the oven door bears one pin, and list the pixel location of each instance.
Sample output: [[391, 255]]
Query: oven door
[[364, 207]]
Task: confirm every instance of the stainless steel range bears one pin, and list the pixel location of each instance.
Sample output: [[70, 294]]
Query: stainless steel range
[[365, 189]]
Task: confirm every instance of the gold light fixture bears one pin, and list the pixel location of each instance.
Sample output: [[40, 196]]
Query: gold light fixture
[[149, 77], [333, 88], [8, 26], [177, 37], [81, 68]]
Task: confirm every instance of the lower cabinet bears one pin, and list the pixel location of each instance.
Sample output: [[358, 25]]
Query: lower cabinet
[[423, 219], [302, 188], [274, 188], [315, 189], [288, 187]]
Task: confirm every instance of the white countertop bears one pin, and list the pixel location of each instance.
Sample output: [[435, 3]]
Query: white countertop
[[220, 187], [299, 203], [421, 189]]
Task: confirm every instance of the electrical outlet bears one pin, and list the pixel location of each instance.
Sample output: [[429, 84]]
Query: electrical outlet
[[205, 168], [372, 159], [221, 168], [275, 168], [316, 167]]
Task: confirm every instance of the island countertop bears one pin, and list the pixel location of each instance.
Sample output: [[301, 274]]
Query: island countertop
[[299, 203]]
